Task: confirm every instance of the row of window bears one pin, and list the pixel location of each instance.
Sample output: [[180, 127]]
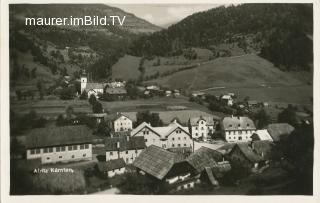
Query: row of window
[[239, 125], [239, 138], [202, 128], [179, 145], [127, 152], [239, 132], [60, 149], [72, 157], [120, 124], [185, 138]]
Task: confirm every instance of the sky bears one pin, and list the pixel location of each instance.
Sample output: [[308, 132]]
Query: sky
[[164, 14]]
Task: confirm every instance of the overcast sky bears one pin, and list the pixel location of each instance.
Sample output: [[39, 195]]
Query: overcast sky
[[164, 14]]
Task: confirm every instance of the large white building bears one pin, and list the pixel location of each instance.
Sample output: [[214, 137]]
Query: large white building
[[59, 144], [173, 136], [124, 147], [202, 127], [237, 129], [120, 123]]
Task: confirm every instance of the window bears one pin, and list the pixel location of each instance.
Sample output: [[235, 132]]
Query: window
[[32, 151], [63, 148], [240, 132], [127, 152], [229, 138], [178, 138], [136, 151], [247, 124], [196, 128], [185, 145], [127, 160], [72, 156], [202, 128], [60, 157], [240, 138], [48, 158], [45, 150], [185, 138], [196, 134], [81, 146], [179, 145], [146, 140], [75, 147], [70, 148], [172, 145], [51, 149], [84, 155], [173, 139], [57, 149], [111, 153]]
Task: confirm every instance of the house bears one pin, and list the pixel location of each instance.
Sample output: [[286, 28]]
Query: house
[[176, 93], [251, 155], [59, 144], [237, 129], [127, 148], [153, 87], [279, 130], [173, 136], [202, 127], [166, 166], [261, 135], [168, 93], [116, 93], [252, 103], [116, 84], [210, 163], [227, 99], [120, 123], [112, 167]]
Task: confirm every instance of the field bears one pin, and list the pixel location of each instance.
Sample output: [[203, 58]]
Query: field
[[239, 71], [126, 68]]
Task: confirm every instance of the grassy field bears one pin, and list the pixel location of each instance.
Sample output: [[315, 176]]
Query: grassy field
[[126, 68], [239, 71]]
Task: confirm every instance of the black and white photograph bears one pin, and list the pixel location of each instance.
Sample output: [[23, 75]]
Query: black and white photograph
[[160, 99]]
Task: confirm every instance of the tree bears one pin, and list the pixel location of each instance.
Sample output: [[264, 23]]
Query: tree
[[152, 118], [40, 87], [92, 99], [84, 95], [97, 107], [67, 93], [262, 119], [69, 112], [289, 116]]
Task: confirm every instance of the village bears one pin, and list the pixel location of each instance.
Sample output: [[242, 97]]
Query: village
[[177, 150]]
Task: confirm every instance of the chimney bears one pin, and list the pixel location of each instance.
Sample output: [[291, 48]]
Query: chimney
[[118, 145]]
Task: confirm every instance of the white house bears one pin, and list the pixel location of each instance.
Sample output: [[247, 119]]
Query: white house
[[125, 147], [120, 123], [201, 127], [173, 136], [227, 99], [59, 144], [112, 167], [261, 135], [237, 129]]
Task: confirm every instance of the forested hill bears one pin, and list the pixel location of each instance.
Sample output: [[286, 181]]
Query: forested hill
[[281, 33]]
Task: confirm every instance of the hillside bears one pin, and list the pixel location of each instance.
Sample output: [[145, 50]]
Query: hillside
[[279, 32], [239, 71], [50, 52]]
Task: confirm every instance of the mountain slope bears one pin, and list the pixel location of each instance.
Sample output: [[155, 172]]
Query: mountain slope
[[279, 31]]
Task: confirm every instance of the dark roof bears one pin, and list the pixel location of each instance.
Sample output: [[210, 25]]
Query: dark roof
[[55, 136], [211, 178], [247, 151], [94, 85], [125, 143], [116, 90], [277, 130], [111, 165], [113, 117], [263, 148], [238, 123], [204, 157], [221, 169], [155, 161]]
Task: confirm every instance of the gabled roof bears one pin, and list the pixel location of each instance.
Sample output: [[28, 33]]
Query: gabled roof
[[262, 135], [238, 123], [247, 151], [114, 117], [55, 136], [194, 121], [94, 85], [162, 132], [111, 165], [124, 143], [204, 157], [277, 130], [155, 161]]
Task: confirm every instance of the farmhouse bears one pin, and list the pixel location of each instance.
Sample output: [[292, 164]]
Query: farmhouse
[[127, 148], [59, 144], [237, 129], [279, 130], [116, 93], [120, 123], [166, 166], [201, 127], [227, 99], [173, 136], [251, 155], [112, 167]]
